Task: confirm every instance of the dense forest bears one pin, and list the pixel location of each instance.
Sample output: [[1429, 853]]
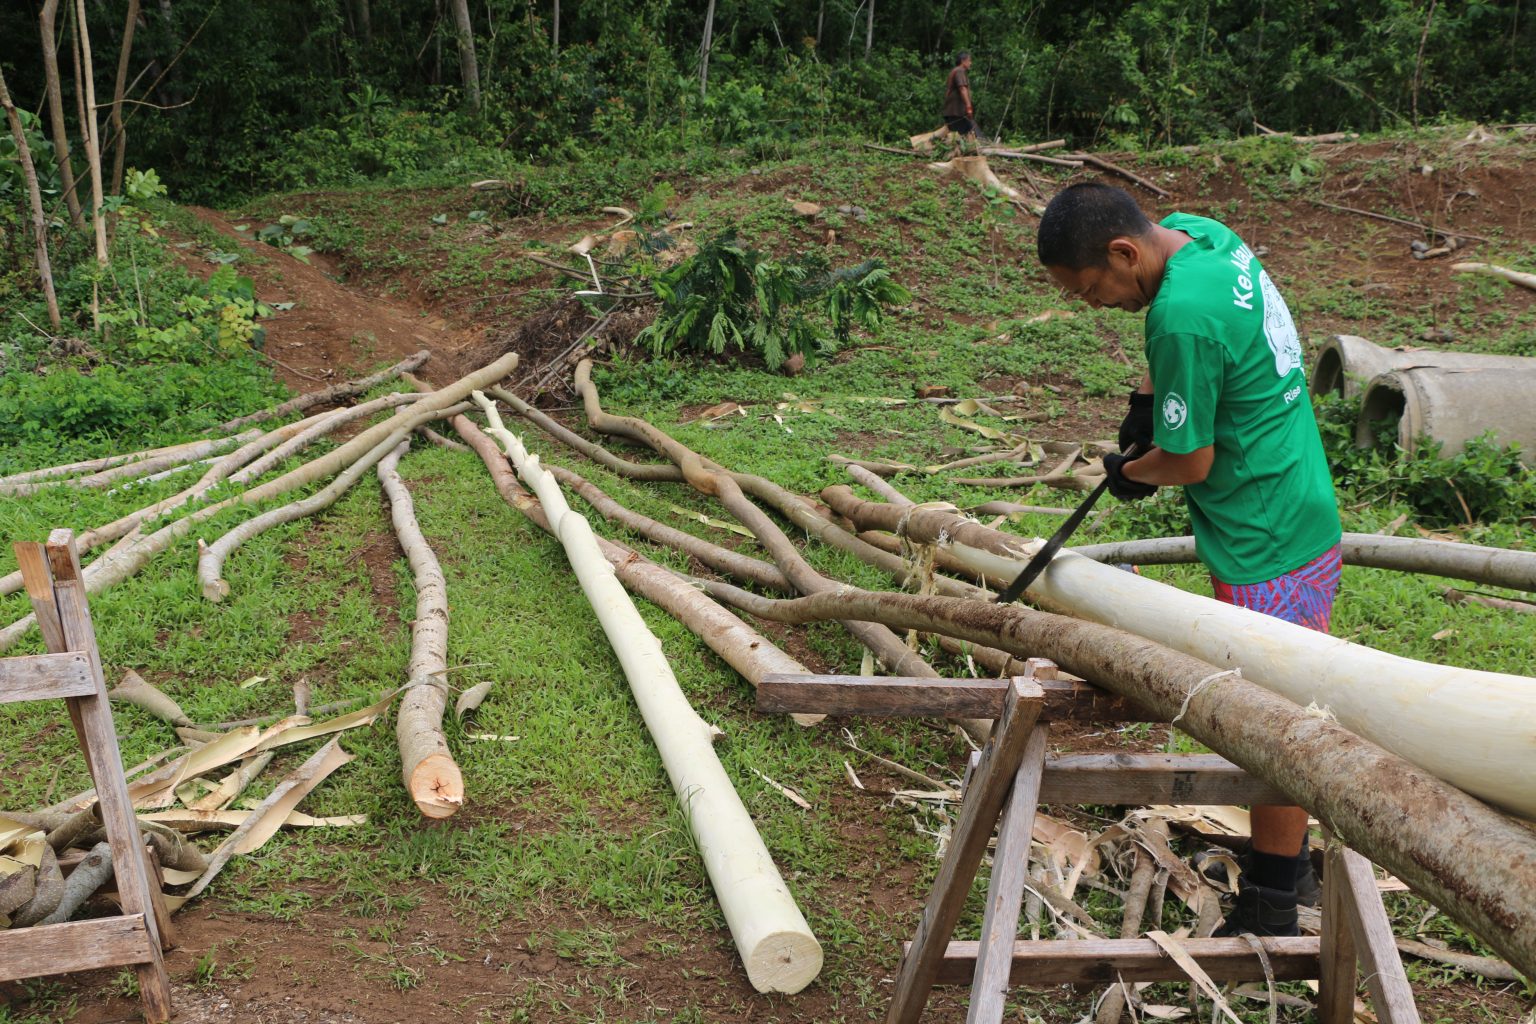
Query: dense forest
[[226, 99]]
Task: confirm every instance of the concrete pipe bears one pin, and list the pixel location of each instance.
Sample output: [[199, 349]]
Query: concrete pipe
[[1347, 362], [1453, 406]]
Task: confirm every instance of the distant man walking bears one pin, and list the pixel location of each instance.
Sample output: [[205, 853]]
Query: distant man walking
[[1224, 412], [959, 114]]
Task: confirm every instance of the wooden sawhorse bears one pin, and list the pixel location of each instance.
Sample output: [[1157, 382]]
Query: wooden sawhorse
[[72, 671], [1013, 776]]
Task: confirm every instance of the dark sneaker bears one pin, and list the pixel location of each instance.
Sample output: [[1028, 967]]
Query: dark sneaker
[[1308, 891], [1260, 911]]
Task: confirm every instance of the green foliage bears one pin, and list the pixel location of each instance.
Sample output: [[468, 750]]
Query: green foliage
[[1483, 483], [727, 296], [285, 235]]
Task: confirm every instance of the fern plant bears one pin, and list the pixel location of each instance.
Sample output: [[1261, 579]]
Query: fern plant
[[727, 296]]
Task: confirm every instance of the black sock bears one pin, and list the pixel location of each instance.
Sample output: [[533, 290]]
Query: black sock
[[1272, 870]]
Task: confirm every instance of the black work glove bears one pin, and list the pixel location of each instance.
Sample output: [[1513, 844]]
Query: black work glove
[[1122, 486], [1137, 426]]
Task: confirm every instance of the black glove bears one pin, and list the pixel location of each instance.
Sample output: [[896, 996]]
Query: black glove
[[1137, 426], [1122, 486]]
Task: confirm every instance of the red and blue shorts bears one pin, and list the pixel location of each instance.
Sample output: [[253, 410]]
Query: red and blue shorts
[[1303, 596]]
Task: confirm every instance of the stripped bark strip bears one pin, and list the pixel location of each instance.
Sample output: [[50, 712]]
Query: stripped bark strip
[[334, 393], [431, 776], [1113, 1003], [776, 945]]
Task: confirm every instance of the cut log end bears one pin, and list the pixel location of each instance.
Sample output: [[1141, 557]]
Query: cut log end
[[437, 786], [215, 590], [785, 961]]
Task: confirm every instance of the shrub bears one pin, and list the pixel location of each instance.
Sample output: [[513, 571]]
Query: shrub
[[727, 296]]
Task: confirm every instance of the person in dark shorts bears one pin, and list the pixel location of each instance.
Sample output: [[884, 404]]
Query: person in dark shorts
[[1224, 412], [959, 114]]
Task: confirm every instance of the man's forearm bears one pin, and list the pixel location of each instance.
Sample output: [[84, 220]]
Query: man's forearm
[[1167, 469]]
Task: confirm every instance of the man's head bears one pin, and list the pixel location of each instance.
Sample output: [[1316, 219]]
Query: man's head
[[963, 59], [1098, 245]]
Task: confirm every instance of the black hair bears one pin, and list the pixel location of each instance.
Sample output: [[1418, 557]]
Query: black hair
[[960, 57], [1078, 225]]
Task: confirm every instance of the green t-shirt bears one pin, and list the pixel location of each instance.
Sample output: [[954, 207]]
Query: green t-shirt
[[1225, 363]]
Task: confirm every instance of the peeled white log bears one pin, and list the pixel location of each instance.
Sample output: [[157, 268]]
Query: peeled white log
[[1519, 277], [772, 936], [1494, 567], [431, 776], [1471, 728]]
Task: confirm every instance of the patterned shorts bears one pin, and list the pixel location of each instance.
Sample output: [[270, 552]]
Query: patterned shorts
[[1304, 596]]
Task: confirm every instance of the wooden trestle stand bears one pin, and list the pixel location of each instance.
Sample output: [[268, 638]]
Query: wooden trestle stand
[[1013, 776], [71, 671]]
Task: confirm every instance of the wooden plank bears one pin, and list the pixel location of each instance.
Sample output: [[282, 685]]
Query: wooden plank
[[914, 697], [1005, 894], [978, 816], [1140, 779], [45, 677], [1385, 979], [38, 580], [1338, 980], [1101, 961], [73, 946], [98, 737]]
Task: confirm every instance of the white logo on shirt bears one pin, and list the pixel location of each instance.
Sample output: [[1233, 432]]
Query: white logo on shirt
[[1279, 328], [1175, 412]]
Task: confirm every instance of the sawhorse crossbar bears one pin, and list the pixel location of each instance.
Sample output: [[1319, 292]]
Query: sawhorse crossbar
[[1013, 776], [71, 671]]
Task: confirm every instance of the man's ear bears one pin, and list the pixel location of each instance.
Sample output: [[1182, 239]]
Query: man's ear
[[1124, 251]]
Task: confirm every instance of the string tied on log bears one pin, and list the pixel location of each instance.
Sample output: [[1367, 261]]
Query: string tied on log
[[1194, 691]]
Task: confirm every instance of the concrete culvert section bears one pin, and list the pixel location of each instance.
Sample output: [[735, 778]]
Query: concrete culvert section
[[1346, 362], [1453, 406]]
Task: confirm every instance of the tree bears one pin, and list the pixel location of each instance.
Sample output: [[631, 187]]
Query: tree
[[46, 25], [34, 194], [469, 71], [709, 36], [119, 136]]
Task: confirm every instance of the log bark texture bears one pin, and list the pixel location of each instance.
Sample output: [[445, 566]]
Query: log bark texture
[[776, 945], [431, 776], [334, 393]]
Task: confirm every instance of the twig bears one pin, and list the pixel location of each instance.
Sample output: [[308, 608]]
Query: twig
[[1397, 220], [1105, 165]]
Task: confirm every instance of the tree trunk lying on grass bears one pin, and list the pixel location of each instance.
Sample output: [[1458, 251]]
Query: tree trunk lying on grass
[[334, 393], [112, 470], [369, 446], [1494, 567], [776, 944], [320, 426], [1469, 860], [431, 776], [1471, 728]]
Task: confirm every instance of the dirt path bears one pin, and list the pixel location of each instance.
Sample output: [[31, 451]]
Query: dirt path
[[333, 331]]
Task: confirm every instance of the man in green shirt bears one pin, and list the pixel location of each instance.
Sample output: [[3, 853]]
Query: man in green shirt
[[1224, 412]]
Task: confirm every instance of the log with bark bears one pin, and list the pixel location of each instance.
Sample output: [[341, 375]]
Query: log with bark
[[1494, 567], [1472, 862], [332, 394], [431, 775], [776, 945], [1468, 727]]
